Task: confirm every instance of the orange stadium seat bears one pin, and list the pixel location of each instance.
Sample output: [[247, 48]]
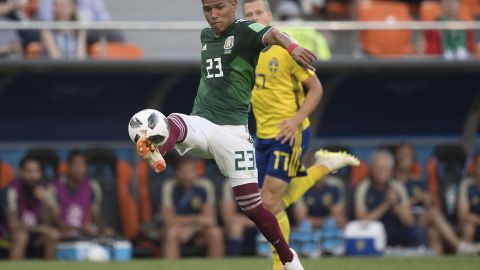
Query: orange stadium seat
[[359, 173], [7, 173], [385, 43], [114, 50], [478, 49], [472, 7], [430, 10], [144, 203], [126, 202]]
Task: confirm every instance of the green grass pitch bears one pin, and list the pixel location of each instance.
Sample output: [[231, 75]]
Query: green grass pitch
[[440, 263]]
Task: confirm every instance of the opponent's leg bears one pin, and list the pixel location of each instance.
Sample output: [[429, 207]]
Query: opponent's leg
[[273, 191], [325, 162]]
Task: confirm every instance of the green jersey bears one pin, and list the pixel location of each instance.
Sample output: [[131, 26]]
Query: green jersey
[[228, 72]]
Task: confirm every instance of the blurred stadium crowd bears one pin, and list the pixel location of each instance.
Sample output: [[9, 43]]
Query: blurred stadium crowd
[[189, 209], [70, 44]]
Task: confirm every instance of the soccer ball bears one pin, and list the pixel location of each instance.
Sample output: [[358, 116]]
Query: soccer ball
[[150, 124]]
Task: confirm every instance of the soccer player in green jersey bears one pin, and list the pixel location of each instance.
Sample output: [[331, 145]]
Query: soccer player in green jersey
[[217, 126]]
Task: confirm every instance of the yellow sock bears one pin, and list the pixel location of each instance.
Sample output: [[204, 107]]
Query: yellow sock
[[285, 228], [299, 185]]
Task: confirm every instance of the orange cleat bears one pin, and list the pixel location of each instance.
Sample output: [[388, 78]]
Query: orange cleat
[[149, 152]]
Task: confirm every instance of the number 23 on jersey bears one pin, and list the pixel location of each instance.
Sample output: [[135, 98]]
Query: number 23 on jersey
[[214, 67]]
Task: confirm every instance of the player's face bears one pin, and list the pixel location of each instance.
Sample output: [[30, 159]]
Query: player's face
[[31, 173], [381, 170], [77, 168], [257, 12], [220, 14]]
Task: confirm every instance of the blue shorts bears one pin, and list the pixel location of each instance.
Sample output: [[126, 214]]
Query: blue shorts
[[281, 160]]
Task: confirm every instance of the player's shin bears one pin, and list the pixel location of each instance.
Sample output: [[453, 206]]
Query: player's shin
[[284, 224], [249, 199], [177, 133]]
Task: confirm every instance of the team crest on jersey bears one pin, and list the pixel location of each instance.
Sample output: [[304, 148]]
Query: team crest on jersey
[[229, 42], [273, 65]]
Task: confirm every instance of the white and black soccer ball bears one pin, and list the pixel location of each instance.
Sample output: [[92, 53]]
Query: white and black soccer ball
[[149, 123]]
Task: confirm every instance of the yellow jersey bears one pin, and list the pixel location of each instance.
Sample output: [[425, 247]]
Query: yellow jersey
[[278, 92]]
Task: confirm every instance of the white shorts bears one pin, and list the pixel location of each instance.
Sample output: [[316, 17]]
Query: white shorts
[[230, 146]]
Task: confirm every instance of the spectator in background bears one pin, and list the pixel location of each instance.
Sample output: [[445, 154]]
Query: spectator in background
[[87, 10], [430, 219], [381, 198], [306, 36], [9, 40], [469, 204], [13, 10], [65, 43], [75, 200], [235, 222], [188, 212], [453, 44], [325, 200], [27, 213]]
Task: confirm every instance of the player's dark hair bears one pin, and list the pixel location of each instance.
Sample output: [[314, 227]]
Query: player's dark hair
[[26, 159], [75, 153]]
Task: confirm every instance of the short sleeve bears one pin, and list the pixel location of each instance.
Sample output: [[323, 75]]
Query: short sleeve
[[254, 33]]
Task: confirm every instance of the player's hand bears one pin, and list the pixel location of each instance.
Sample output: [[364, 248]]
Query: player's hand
[[287, 130], [304, 57]]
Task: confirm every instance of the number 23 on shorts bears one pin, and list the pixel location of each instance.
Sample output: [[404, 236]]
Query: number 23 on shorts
[[245, 160]]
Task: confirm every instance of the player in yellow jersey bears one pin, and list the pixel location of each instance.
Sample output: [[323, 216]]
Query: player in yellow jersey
[[281, 111]]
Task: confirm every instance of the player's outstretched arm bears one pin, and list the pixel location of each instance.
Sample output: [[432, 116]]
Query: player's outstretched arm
[[302, 56]]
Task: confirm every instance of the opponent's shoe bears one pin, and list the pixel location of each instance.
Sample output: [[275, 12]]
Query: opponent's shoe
[[334, 160], [151, 155], [294, 264]]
